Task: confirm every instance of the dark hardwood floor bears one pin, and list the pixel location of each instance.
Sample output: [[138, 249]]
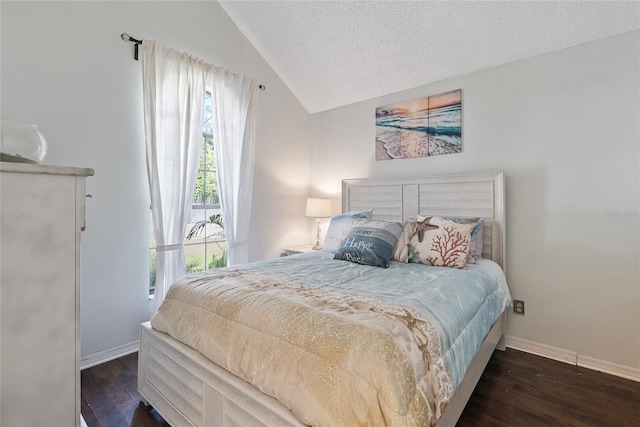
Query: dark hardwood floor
[[109, 396], [516, 389]]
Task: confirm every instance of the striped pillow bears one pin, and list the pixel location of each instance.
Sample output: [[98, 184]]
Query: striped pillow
[[370, 242]]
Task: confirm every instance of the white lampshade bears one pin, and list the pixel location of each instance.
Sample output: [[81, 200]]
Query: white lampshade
[[318, 208]]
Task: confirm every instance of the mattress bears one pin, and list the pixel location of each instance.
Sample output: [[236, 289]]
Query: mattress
[[340, 343]]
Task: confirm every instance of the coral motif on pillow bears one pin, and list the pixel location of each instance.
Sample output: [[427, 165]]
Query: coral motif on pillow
[[440, 242], [477, 238]]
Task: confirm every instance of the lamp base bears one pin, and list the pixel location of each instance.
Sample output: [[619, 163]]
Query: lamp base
[[317, 247]]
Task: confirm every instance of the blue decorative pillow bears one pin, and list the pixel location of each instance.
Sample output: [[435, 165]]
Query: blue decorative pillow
[[339, 228], [477, 240], [370, 242]]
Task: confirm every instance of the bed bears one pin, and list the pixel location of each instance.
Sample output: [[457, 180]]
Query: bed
[[187, 388]]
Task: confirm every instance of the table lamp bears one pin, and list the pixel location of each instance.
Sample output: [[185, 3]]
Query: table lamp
[[318, 208]]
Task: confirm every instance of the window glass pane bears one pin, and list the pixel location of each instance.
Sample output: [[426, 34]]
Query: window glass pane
[[206, 190], [217, 254], [152, 256], [152, 270], [152, 237], [195, 232], [207, 127], [216, 226], [205, 244], [194, 256]]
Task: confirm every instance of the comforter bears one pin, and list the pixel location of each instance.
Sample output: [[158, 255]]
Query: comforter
[[340, 344]]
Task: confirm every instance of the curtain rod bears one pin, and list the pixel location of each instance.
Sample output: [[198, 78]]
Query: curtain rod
[[126, 37]]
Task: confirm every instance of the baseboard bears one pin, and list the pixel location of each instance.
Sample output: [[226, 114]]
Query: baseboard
[[107, 355], [543, 350], [573, 358], [609, 368]]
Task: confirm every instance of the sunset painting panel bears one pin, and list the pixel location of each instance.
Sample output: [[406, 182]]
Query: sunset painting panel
[[420, 127]]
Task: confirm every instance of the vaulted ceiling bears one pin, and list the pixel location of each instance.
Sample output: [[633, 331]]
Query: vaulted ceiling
[[334, 53]]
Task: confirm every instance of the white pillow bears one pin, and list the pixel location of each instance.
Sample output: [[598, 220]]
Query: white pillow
[[401, 251]]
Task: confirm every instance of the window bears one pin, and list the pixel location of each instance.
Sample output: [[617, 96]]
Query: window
[[205, 244]]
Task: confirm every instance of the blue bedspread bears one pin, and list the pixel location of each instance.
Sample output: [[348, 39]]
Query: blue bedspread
[[461, 304]]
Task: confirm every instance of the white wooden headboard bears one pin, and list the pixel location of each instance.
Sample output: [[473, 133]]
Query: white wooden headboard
[[460, 195]]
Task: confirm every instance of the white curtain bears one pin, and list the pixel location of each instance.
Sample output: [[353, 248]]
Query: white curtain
[[234, 106], [173, 87]]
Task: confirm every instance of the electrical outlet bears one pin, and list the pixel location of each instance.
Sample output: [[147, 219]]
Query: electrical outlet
[[518, 307]]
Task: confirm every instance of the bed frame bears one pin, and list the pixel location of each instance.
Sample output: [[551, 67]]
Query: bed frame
[[189, 390]]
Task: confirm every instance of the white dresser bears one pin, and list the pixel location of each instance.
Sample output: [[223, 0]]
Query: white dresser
[[42, 212]]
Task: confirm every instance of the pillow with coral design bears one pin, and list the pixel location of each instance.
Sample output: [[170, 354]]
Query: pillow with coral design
[[440, 242], [477, 239]]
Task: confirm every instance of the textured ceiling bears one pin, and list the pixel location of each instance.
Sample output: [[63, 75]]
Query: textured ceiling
[[333, 53]]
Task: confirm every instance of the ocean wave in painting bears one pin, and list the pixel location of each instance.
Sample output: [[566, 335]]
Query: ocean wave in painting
[[422, 133]]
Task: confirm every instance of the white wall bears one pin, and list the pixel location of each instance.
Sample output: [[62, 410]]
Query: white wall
[[65, 68], [563, 126], [565, 129]]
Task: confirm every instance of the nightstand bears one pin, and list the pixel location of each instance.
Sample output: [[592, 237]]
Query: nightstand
[[292, 250]]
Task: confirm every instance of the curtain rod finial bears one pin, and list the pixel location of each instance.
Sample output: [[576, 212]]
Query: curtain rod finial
[[126, 37]]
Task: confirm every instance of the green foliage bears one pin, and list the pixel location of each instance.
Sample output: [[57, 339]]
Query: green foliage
[[194, 264], [206, 191], [152, 269], [218, 261], [200, 225], [216, 219]]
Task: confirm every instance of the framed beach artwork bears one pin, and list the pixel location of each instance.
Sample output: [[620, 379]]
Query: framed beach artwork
[[421, 127]]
